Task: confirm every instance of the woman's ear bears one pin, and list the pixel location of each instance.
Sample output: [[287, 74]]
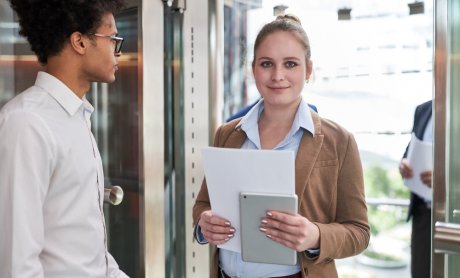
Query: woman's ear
[[78, 42], [309, 70]]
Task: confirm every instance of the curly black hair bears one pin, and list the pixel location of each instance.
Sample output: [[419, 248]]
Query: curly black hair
[[48, 23]]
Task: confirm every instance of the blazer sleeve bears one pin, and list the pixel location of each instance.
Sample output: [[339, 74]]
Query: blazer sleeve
[[349, 233]]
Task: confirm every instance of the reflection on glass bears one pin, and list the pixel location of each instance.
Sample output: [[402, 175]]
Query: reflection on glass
[[453, 130]]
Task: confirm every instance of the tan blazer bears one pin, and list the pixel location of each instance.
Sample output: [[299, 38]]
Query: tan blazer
[[330, 187]]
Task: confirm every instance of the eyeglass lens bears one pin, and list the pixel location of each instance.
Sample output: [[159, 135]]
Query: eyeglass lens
[[118, 44]]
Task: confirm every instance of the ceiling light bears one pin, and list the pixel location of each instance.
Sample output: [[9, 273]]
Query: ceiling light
[[416, 8], [344, 14], [279, 10]]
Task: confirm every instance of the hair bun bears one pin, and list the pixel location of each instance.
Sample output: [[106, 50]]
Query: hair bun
[[289, 17]]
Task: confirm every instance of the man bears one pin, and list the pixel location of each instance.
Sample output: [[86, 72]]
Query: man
[[51, 179], [420, 209]]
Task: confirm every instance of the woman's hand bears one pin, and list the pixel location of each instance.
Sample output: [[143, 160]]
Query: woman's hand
[[293, 231], [215, 229]]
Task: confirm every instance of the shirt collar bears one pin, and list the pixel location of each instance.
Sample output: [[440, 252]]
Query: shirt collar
[[251, 118], [61, 93], [302, 118]]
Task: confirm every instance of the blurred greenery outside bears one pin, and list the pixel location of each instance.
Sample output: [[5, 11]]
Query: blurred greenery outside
[[388, 184], [390, 232]]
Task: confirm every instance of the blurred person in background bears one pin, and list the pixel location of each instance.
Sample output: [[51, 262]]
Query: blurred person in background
[[419, 208]]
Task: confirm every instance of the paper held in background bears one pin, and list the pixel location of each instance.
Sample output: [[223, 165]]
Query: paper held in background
[[420, 156], [231, 171]]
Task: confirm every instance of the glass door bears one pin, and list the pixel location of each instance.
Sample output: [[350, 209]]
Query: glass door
[[174, 141], [446, 212]]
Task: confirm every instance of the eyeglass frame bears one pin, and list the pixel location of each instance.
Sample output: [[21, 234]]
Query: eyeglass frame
[[118, 40]]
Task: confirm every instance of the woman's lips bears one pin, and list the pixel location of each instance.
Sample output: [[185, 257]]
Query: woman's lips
[[277, 88]]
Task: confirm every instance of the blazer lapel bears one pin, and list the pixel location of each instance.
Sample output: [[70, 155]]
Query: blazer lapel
[[235, 139], [307, 154]]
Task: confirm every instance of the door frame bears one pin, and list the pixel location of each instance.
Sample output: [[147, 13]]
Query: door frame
[[151, 89]]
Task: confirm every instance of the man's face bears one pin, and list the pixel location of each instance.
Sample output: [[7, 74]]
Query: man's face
[[101, 62]]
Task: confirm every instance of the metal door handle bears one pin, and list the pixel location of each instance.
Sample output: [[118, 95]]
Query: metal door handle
[[113, 195], [447, 238], [456, 213]]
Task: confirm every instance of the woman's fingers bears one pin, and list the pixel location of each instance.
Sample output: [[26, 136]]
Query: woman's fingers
[[215, 229], [293, 231]]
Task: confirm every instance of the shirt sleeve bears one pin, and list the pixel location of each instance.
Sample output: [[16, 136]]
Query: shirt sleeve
[[199, 237], [312, 253], [26, 159]]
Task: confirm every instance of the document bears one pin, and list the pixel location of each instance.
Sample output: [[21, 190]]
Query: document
[[231, 171], [420, 156]]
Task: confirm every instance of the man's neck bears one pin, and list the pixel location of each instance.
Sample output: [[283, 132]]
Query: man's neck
[[68, 73]]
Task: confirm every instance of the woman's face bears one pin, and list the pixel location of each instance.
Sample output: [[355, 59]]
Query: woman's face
[[280, 69]]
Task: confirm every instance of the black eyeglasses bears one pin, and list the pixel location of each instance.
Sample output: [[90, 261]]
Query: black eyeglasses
[[118, 41]]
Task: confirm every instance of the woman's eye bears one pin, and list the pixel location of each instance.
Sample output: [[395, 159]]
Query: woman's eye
[[266, 64], [290, 64]]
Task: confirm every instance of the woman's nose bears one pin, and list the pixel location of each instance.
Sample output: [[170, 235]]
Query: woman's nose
[[277, 74]]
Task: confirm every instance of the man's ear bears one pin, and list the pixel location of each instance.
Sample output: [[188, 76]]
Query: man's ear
[[78, 42]]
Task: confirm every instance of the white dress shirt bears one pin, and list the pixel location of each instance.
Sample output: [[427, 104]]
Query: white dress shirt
[[231, 262], [428, 137], [51, 187]]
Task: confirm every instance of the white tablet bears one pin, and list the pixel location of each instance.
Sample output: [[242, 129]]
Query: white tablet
[[255, 246]]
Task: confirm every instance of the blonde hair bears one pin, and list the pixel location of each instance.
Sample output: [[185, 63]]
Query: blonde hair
[[287, 23]]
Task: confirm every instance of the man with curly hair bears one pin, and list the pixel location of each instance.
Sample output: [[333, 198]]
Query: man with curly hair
[[51, 179]]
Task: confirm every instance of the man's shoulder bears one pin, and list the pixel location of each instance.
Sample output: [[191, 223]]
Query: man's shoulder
[[426, 105], [28, 100], [30, 108], [423, 108]]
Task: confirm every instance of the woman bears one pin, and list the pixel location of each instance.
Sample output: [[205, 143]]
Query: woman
[[332, 219]]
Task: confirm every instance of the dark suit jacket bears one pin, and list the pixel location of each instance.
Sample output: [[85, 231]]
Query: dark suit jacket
[[329, 185], [422, 115]]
